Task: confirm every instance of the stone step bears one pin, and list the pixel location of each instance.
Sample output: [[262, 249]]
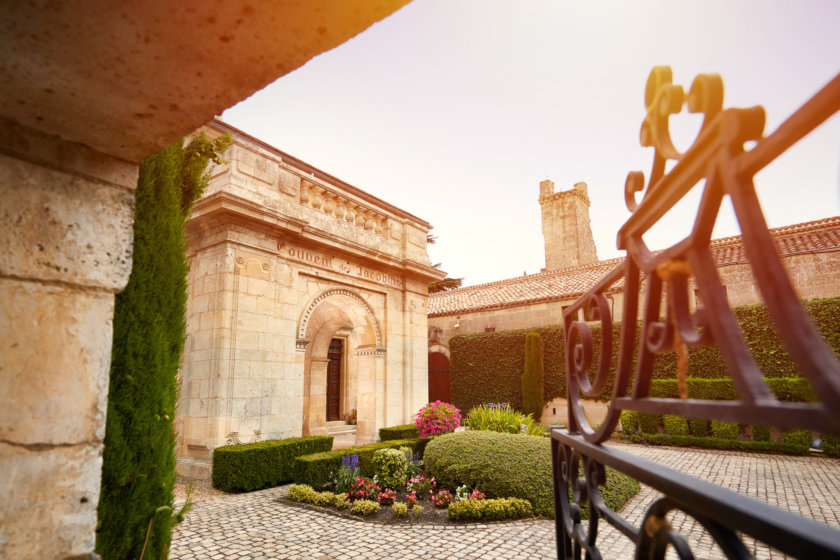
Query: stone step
[[338, 430]]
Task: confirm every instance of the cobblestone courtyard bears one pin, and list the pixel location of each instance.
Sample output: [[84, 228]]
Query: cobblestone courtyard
[[256, 526]]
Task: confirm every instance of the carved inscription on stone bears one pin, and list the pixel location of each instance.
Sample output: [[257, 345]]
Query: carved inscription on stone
[[329, 262]]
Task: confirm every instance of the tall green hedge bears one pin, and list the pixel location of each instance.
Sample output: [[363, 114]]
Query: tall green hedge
[[485, 367], [765, 345], [138, 470], [532, 377]]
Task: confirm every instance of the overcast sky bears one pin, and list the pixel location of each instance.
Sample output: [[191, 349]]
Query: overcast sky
[[455, 110]]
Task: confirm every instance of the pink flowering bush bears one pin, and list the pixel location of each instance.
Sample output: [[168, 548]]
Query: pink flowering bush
[[386, 497], [443, 498], [363, 489], [437, 418], [421, 486]]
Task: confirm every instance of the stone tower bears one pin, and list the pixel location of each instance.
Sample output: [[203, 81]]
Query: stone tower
[[566, 227]]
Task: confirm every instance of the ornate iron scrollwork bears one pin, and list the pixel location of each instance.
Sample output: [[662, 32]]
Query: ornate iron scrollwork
[[719, 163]]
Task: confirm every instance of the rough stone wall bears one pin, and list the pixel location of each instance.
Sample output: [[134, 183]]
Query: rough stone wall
[[813, 275], [566, 226], [65, 249]]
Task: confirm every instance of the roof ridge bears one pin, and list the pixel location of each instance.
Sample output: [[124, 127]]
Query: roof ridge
[[552, 272], [548, 285], [802, 227]]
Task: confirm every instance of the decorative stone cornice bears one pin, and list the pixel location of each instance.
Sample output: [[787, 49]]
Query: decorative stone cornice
[[375, 351], [342, 208]]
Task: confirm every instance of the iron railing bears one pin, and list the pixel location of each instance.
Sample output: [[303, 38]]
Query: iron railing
[[719, 164]]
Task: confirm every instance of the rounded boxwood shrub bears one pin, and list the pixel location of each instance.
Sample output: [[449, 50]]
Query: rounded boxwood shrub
[[724, 430], [509, 466], [675, 425], [629, 422], [649, 423], [390, 467]]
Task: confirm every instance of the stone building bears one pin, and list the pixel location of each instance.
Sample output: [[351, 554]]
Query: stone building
[[566, 226], [89, 90], [810, 251], [307, 298]]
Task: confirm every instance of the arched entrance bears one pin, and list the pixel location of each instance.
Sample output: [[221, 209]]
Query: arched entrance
[[439, 377], [344, 358]]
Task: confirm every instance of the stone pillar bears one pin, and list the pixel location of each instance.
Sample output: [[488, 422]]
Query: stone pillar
[[366, 428], [318, 396], [65, 250]]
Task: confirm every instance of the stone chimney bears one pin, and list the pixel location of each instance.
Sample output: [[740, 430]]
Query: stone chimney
[[566, 227]]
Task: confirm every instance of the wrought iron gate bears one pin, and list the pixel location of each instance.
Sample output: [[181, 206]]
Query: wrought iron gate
[[719, 159]]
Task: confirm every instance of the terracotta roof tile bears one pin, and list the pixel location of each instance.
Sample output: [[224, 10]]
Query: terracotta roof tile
[[568, 283]]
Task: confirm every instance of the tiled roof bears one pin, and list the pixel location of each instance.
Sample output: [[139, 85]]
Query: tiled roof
[[568, 283]]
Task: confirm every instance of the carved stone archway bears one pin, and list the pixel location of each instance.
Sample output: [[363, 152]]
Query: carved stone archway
[[342, 313]]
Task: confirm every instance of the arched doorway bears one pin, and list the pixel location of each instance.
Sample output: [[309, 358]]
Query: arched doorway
[[439, 377], [344, 359]]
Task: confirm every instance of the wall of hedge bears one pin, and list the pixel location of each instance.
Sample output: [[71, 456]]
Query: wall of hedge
[[253, 466], [486, 367]]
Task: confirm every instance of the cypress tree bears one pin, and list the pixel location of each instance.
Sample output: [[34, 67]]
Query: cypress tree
[[532, 377], [136, 513]]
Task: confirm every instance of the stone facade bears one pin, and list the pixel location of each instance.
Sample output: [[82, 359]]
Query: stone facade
[[285, 260], [566, 226]]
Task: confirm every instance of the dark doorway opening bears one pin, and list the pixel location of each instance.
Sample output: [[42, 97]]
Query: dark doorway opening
[[439, 378], [334, 355]]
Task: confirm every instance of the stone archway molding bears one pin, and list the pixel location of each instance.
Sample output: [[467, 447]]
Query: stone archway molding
[[310, 309]]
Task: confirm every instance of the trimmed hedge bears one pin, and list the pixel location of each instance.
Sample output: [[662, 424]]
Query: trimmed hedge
[[724, 435], [265, 464], [405, 431], [509, 465], [486, 367], [532, 377], [765, 346], [790, 389], [714, 443], [493, 509], [316, 470]]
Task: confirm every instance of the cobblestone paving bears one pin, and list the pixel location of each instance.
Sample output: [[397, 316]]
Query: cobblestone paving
[[256, 526]]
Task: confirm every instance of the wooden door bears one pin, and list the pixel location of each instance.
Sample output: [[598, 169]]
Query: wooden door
[[439, 378], [334, 380]]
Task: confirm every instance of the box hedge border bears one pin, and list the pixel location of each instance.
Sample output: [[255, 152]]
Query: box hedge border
[[404, 431], [265, 464]]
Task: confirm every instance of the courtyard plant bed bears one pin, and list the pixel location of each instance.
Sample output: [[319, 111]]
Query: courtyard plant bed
[[401, 512]]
